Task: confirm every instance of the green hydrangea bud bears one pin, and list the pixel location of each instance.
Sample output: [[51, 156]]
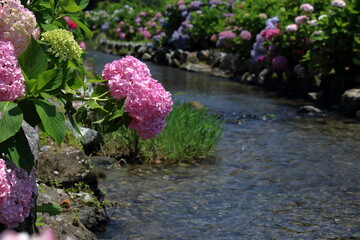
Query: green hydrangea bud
[[62, 44]]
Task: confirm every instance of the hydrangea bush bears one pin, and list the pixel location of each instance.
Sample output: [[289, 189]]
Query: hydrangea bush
[[42, 75]]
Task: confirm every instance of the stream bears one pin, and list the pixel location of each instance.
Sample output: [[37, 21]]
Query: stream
[[277, 174]]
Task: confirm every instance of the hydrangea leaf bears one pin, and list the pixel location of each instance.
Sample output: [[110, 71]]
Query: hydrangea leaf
[[10, 120], [17, 149], [52, 121], [50, 208], [33, 60]]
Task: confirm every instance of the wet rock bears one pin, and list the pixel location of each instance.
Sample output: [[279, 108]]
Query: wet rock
[[263, 75], [230, 62], [192, 57], [311, 110], [350, 101], [146, 57], [100, 161], [200, 67], [216, 58], [313, 96], [203, 55], [67, 167]]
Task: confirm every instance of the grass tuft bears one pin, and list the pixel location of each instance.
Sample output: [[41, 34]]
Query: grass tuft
[[190, 135]]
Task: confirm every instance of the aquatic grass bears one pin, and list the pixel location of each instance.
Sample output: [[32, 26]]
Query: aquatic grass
[[190, 135]]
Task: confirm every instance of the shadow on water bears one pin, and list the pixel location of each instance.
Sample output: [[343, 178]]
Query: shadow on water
[[279, 175]]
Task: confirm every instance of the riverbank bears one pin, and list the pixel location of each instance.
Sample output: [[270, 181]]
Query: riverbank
[[325, 92]]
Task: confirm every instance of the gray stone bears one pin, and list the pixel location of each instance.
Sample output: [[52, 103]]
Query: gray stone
[[199, 67], [146, 57], [313, 96], [311, 110], [230, 62], [216, 58], [262, 76], [203, 55], [192, 57], [64, 225], [91, 140], [350, 101], [32, 135]]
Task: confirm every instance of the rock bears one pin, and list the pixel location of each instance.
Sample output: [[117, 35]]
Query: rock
[[91, 140], [76, 219], [67, 167], [32, 136], [313, 96], [199, 67], [350, 101], [357, 115], [146, 57], [100, 161], [192, 57], [216, 58], [262, 76], [311, 110], [230, 63], [203, 55]]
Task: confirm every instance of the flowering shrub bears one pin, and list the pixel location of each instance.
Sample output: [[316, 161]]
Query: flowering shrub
[[37, 73]]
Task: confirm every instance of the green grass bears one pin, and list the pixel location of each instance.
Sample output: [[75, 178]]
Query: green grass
[[190, 135]]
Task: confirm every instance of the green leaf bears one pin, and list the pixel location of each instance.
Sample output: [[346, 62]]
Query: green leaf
[[50, 208], [74, 79], [10, 120], [30, 114], [52, 121], [33, 60], [87, 31], [81, 114], [94, 105], [17, 149], [82, 3], [49, 27], [71, 6]]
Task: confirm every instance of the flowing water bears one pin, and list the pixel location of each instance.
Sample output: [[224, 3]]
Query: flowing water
[[278, 174]]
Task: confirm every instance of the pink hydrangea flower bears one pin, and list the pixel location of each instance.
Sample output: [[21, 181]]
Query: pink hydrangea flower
[[227, 35], [338, 3], [280, 63], [17, 24], [146, 101], [11, 79], [148, 105], [306, 7], [292, 28], [213, 37], [46, 234], [82, 45], [301, 20], [268, 34], [245, 35], [121, 75], [17, 187]]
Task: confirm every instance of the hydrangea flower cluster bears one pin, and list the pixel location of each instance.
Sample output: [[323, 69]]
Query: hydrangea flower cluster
[[338, 3], [306, 7], [16, 190], [245, 35], [146, 101], [259, 51], [62, 44], [279, 63], [46, 234], [17, 24], [11, 79]]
